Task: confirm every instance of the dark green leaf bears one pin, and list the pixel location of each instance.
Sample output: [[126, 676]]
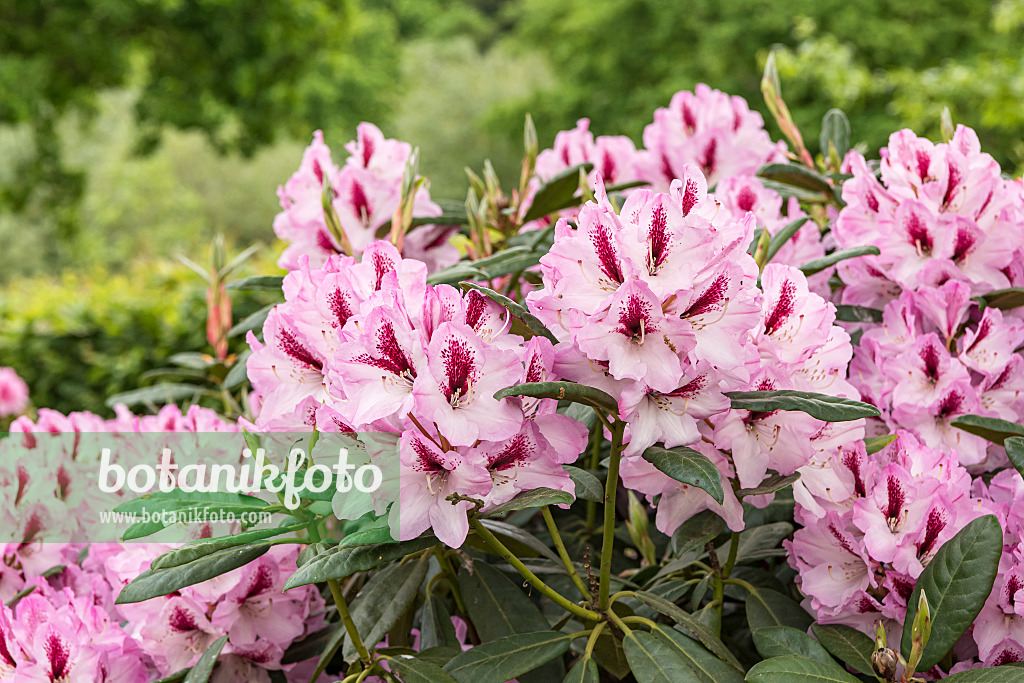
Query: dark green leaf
[[849, 645], [415, 670], [557, 193], [155, 583], [382, 600], [252, 322], [588, 487], [779, 239], [345, 561], [446, 218], [519, 541], [176, 677], [696, 532], [157, 394], [497, 606], [312, 645], [200, 672], [507, 261], [142, 529], [608, 653], [876, 443], [793, 669], [835, 128], [456, 273], [998, 674], [989, 428], [568, 391], [688, 466], [438, 656], [957, 582], [762, 542], [534, 498], [858, 314], [584, 671], [766, 608], [515, 309], [819, 406], [258, 283], [177, 499], [1015, 451], [655, 661], [371, 536], [776, 641], [690, 623], [797, 176], [436, 629], [500, 660], [207, 546], [1003, 299], [709, 669], [820, 264], [238, 372], [774, 483], [192, 360]]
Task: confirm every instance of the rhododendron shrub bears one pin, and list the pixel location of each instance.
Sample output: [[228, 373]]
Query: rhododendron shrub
[[806, 368]]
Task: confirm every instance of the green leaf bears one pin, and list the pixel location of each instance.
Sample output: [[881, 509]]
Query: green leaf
[[696, 532], [156, 394], [178, 499], [779, 239], [774, 483], [415, 670], [508, 261], [690, 623], [655, 661], [687, 466], [192, 360], [819, 406], [794, 669], [382, 600], [200, 672], [270, 283], [500, 660], [847, 644], [438, 656], [876, 443], [766, 607], [709, 669], [516, 539], [610, 656], [1003, 299], [154, 583], [534, 498], [820, 264], [858, 314], [989, 428], [584, 671], [176, 677], [786, 191], [515, 309], [796, 175], [446, 218], [497, 606], [371, 536], [194, 550], [762, 542], [957, 582], [1015, 451], [998, 674], [588, 487], [436, 629], [835, 128], [776, 641], [312, 645], [568, 391], [141, 530], [557, 193], [341, 562], [238, 372], [456, 273]]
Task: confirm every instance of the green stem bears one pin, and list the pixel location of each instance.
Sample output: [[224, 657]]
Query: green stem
[[453, 580], [346, 618], [595, 461], [610, 487], [618, 622], [592, 641], [562, 553], [525, 572], [640, 620], [734, 544]]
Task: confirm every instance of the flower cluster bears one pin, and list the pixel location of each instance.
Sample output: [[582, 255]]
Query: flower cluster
[[871, 523], [706, 127], [368, 346], [366, 191], [939, 212], [13, 393]]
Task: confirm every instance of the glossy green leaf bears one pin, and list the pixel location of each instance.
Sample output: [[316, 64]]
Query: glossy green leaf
[[200, 672], [371, 536], [796, 175], [779, 239], [696, 532], [876, 443], [704, 634], [415, 670], [259, 283], [312, 645], [776, 641], [499, 660], [534, 498], [687, 466], [998, 674], [156, 394], [766, 607], [847, 644], [155, 583], [989, 428], [382, 600], [858, 314], [761, 542], [819, 406], [251, 322], [1015, 452], [588, 487], [238, 373], [583, 671], [455, 274], [1003, 299], [794, 669], [655, 661], [709, 668], [436, 629], [557, 193], [196, 549], [957, 582], [568, 391], [497, 606], [820, 264], [341, 562], [774, 483], [517, 310]]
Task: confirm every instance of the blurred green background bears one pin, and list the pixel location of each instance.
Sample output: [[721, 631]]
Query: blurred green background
[[134, 130]]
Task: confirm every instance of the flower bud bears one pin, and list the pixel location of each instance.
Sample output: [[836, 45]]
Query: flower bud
[[884, 662]]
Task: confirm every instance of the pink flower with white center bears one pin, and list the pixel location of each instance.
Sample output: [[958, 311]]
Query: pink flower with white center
[[680, 501], [523, 463], [796, 323], [431, 474], [178, 635], [456, 392], [833, 567], [999, 628], [925, 373], [718, 133], [256, 607], [637, 339], [13, 393], [990, 347]]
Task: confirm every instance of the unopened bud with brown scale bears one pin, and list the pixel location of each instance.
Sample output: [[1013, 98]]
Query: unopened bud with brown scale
[[884, 662]]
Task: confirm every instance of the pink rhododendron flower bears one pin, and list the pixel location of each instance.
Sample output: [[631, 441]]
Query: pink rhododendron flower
[[13, 393]]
